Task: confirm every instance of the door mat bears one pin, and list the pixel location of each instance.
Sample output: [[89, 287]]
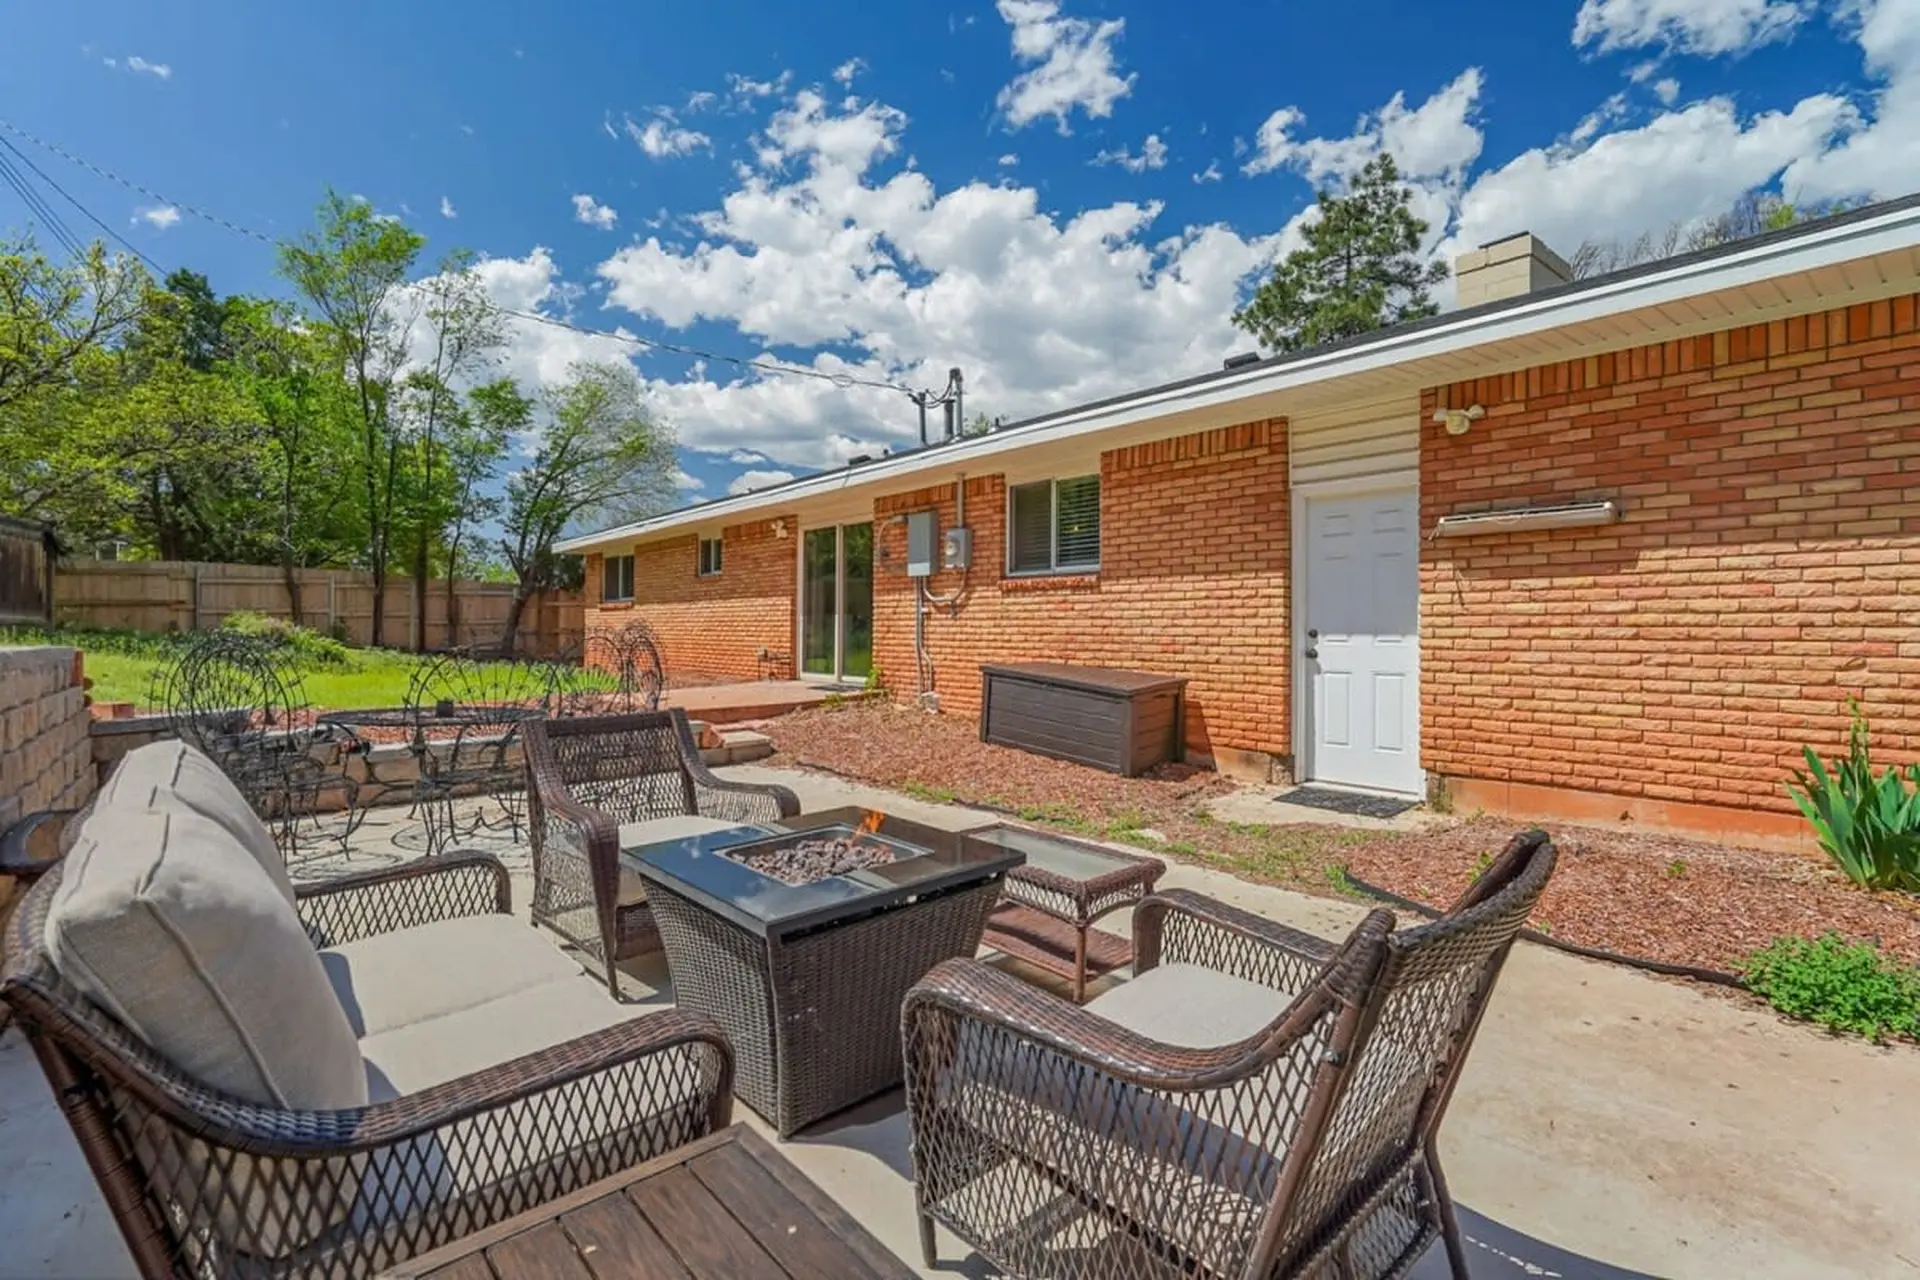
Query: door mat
[[1357, 803]]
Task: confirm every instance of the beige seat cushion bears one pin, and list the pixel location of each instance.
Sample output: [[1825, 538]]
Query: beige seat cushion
[[169, 923], [1191, 1006], [406, 1059], [658, 831], [604, 1121], [392, 980], [175, 777]]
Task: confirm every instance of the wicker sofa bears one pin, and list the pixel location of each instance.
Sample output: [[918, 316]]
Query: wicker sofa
[[1255, 1103], [600, 782], [322, 1080]]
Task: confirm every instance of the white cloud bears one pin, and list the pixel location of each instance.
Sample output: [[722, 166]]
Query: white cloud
[[1070, 63], [662, 137], [1153, 155], [159, 216], [1705, 27], [1667, 89], [747, 90], [160, 69], [823, 245], [684, 479], [1614, 108], [748, 481], [594, 214], [1209, 174], [1439, 137], [446, 208], [746, 458], [1882, 158], [847, 70], [1679, 167], [1008, 160], [701, 100]]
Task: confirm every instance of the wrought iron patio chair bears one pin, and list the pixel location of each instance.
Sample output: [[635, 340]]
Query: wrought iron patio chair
[[1257, 1102], [623, 669], [240, 699], [592, 775], [466, 715]]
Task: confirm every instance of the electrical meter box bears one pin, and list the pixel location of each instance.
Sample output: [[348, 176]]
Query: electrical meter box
[[956, 549], [922, 533]]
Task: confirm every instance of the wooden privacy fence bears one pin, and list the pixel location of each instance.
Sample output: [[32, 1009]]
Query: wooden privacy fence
[[26, 588], [167, 595]]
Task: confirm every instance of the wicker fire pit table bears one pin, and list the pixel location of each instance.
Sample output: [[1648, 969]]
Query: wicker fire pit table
[[807, 975]]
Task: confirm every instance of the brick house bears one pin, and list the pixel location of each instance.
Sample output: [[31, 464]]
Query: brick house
[[1703, 484]]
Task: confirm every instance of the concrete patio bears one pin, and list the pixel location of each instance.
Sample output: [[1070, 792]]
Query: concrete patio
[[1608, 1124]]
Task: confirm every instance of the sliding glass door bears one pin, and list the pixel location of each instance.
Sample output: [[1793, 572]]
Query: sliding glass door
[[836, 602]]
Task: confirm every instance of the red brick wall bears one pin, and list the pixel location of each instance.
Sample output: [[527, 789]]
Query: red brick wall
[[716, 625], [1193, 581], [1767, 566]]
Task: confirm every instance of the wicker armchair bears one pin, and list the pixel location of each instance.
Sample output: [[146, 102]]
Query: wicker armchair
[[592, 776], [197, 1179], [1255, 1103]]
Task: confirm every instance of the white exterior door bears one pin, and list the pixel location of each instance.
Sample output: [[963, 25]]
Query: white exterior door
[[1360, 641]]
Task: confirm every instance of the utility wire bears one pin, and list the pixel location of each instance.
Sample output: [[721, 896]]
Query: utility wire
[[844, 381], [38, 210], [124, 243]]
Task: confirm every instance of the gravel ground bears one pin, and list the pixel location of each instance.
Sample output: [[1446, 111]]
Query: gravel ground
[[1655, 896]]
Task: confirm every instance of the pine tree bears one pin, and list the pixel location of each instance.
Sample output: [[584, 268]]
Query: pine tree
[[1360, 269]]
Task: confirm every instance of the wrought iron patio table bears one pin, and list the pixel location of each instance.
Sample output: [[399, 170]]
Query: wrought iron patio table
[[455, 749], [808, 979]]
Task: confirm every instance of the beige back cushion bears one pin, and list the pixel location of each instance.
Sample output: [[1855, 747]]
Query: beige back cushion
[[169, 923], [177, 778]]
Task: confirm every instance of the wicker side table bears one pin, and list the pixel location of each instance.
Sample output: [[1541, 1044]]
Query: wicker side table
[[1049, 904]]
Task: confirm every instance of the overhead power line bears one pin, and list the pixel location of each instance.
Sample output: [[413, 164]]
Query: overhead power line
[[844, 381], [130, 247]]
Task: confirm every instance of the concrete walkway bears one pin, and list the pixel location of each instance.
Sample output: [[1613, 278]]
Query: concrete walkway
[[1606, 1120]]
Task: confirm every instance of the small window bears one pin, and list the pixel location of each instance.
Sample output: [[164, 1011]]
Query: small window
[[616, 582], [1053, 526], [709, 557]]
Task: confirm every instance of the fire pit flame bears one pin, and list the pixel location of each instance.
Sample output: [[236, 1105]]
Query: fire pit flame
[[871, 823]]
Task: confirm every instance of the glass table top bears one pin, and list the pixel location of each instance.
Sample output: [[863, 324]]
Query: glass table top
[[1069, 859], [698, 867]]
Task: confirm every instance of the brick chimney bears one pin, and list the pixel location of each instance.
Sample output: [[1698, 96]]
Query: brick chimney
[[1508, 268]]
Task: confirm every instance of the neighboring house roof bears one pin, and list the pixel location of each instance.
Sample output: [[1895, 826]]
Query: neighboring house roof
[[1868, 253]]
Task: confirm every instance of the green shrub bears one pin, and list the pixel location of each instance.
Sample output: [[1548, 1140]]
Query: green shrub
[[1841, 985], [1869, 826], [120, 640], [305, 644]]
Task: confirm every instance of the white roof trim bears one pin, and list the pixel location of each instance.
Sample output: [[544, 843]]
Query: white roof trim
[[1894, 230]]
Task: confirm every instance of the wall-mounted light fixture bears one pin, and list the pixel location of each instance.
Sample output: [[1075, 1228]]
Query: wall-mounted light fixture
[[1458, 420], [779, 528]]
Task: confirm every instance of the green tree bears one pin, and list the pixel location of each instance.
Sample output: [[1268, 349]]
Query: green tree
[[53, 316], [599, 457], [476, 439], [1360, 269], [453, 333], [352, 269]]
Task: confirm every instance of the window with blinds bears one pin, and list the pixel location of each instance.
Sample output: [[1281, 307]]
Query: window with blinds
[[1053, 526], [616, 581]]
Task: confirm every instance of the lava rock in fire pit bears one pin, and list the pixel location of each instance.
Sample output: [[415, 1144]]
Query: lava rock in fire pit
[[812, 858]]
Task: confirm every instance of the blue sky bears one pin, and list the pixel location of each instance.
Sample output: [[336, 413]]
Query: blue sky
[[1065, 199]]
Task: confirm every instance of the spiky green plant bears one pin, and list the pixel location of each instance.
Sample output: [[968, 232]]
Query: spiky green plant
[[1869, 825]]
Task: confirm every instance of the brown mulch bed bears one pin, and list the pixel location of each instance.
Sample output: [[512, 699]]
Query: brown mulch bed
[[1653, 896], [931, 755], [1639, 894]]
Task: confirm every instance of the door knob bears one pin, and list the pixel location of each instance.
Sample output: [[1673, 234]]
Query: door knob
[[1313, 653], [1312, 634]]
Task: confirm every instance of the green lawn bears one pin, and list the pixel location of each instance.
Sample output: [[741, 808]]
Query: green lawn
[[122, 666]]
